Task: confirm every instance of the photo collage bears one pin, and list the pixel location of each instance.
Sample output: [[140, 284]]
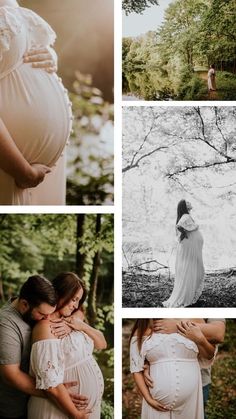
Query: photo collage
[[118, 215]]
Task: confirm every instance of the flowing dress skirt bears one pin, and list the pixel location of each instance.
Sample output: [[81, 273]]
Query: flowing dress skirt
[[189, 272]]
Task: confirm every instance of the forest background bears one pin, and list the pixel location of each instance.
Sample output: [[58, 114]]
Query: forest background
[[171, 62], [173, 153]]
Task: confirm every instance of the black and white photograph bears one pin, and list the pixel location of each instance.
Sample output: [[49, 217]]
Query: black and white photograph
[[179, 196]]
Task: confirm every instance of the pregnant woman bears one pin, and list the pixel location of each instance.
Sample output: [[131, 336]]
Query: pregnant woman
[[174, 370], [56, 361], [35, 114], [189, 269]]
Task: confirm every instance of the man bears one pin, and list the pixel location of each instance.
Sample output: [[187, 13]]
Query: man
[[36, 301], [214, 332]]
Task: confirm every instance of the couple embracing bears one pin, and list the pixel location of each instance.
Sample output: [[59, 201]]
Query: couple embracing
[[47, 369]]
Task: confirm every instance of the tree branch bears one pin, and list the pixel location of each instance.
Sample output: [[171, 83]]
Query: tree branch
[[136, 164], [199, 166]]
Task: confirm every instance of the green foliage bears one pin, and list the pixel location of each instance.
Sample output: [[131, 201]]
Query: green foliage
[[107, 410], [222, 402], [191, 87], [226, 85], [194, 33], [137, 6], [90, 173]]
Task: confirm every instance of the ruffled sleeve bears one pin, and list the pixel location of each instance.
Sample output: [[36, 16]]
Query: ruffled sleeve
[[41, 33], [187, 223], [10, 25], [207, 363], [137, 358], [47, 363]]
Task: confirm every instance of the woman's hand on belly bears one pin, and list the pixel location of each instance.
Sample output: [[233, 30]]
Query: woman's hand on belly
[[157, 405], [35, 176], [44, 58]]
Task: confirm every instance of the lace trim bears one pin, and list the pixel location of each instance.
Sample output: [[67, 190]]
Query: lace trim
[[9, 27], [156, 341], [50, 377], [45, 35]]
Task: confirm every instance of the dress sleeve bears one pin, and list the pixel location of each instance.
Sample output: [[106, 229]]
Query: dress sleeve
[[187, 223], [47, 363], [9, 27], [136, 357], [41, 33], [207, 363]]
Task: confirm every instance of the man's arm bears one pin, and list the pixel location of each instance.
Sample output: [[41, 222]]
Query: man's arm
[[13, 376], [214, 332]]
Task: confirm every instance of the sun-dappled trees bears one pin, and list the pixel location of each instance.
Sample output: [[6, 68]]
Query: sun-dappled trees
[[137, 6], [193, 35]]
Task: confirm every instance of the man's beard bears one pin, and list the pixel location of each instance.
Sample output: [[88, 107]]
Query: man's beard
[[27, 317]]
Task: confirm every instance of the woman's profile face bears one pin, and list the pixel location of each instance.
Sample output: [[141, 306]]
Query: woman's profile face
[[72, 305], [189, 205]]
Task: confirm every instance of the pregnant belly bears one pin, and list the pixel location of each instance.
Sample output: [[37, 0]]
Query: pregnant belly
[[36, 111], [90, 379], [174, 382]]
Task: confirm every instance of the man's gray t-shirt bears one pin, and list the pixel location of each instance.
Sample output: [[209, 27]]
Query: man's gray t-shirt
[[206, 372], [15, 336]]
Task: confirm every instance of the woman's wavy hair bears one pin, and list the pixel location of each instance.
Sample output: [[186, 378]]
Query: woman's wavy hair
[[66, 285], [181, 209], [141, 325]]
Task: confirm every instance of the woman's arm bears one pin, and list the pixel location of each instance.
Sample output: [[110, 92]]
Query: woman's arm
[[193, 332], [60, 396], [13, 162], [139, 380]]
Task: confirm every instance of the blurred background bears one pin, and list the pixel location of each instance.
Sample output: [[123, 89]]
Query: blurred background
[[52, 243], [85, 63]]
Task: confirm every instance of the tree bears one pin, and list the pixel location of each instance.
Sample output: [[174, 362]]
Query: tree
[[137, 6]]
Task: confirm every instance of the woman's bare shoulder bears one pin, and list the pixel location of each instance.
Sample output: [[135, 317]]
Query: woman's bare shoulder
[[42, 331]]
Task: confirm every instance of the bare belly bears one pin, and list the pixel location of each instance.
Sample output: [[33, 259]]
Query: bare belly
[[36, 111]]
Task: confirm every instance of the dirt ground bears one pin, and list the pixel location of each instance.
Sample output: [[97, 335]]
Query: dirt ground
[[145, 290]]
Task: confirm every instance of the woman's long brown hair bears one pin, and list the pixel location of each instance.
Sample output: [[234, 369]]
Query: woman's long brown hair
[[141, 326]]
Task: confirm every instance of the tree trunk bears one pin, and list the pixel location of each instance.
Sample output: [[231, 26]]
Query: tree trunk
[[80, 258], [92, 297], [2, 297]]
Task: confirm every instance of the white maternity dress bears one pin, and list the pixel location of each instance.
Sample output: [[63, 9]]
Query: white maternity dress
[[175, 372], [189, 269], [34, 106], [56, 361], [211, 79]]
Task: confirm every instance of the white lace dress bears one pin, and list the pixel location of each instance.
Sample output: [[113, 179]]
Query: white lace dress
[[175, 372], [34, 107], [189, 268], [56, 361]]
